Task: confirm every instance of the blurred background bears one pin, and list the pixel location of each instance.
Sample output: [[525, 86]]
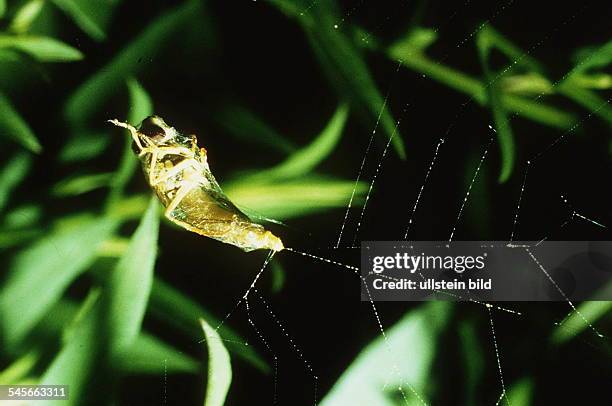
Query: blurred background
[[285, 96]]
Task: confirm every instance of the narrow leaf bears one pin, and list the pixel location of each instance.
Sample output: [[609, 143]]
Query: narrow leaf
[[131, 281], [77, 185], [141, 105], [248, 127], [575, 323], [96, 91], [520, 393], [91, 17], [41, 273], [43, 49], [305, 195], [11, 175], [150, 355], [75, 364], [377, 370], [182, 313], [303, 161], [84, 147], [15, 128], [341, 61], [219, 367], [26, 15], [22, 216], [486, 40], [347, 70]]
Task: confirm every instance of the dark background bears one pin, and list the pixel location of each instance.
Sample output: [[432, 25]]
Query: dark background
[[261, 59]]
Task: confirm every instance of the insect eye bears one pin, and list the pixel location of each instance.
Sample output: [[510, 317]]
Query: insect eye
[[151, 129]]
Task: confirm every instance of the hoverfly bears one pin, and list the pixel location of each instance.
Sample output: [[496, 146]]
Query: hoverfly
[[177, 170]]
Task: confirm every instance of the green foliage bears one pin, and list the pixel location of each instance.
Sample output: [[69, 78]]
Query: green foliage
[[384, 364], [26, 15], [340, 59], [182, 313], [521, 392], [287, 199], [575, 323], [40, 274], [67, 242], [76, 362], [42, 49], [13, 173], [91, 95], [219, 367], [91, 17], [150, 355], [14, 127], [248, 127], [77, 185], [307, 158], [131, 280]]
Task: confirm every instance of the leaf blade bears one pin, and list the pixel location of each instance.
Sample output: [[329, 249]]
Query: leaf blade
[[219, 367], [32, 286], [131, 281], [15, 127]]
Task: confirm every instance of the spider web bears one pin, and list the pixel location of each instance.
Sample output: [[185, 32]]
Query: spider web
[[274, 332]]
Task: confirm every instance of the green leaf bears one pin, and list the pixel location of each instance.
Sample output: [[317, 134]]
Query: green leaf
[[14, 127], [344, 65], [413, 58], [587, 98], [575, 323], [147, 355], [473, 362], [347, 70], [12, 174], [598, 57], [85, 146], [150, 355], [26, 15], [77, 185], [531, 83], [2, 7], [486, 40], [91, 16], [91, 95], [130, 282], [40, 274], [219, 367], [182, 313], [278, 275], [22, 216], [248, 127], [19, 369], [75, 364], [43, 49], [11, 238], [404, 359], [306, 159], [521, 392], [299, 197]]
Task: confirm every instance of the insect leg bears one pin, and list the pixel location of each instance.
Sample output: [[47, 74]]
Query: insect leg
[[176, 169], [182, 192], [153, 165], [132, 129]]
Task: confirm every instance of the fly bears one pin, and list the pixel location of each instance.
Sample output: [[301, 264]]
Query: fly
[[177, 171]]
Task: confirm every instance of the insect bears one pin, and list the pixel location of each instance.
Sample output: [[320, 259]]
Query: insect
[[177, 170]]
